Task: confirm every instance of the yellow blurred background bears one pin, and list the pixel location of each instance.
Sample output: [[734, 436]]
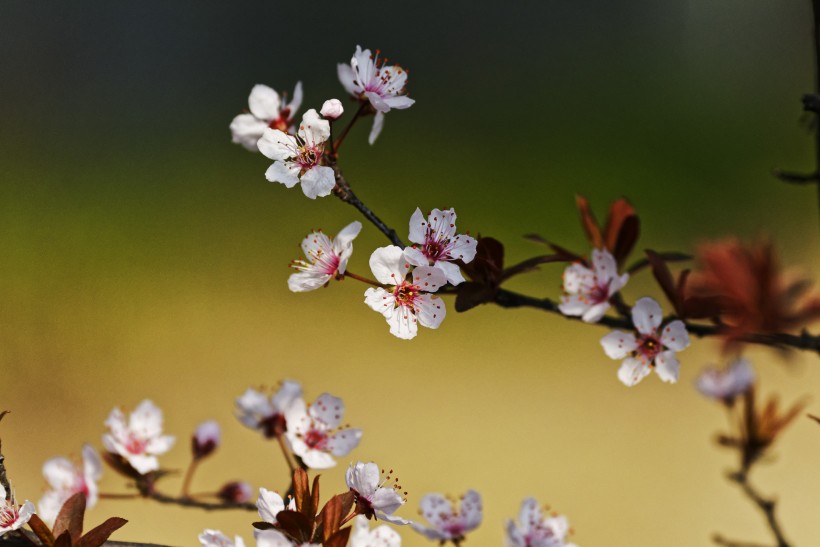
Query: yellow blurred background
[[144, 256]]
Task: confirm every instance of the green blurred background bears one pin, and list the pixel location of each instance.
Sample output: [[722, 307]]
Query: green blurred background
[[145, 256]]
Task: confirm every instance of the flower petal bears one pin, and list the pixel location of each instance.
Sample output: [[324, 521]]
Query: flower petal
[[418, 227], [403, 323], [452, 272], [264, 102], [647, 315], [307, 281], [632, 371], [269, 505], [674, 336], [277, 145], [376, 130], [318, 181], [430, 311], [667, 366], [429, 278], [286, 173], [388, 265], [618, 345], [380, 300], [313, 128], [347, 77], [471, 509], [328, 410], [343, 441], [246, 130]]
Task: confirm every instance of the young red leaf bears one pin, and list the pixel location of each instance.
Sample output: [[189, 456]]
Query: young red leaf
[[63, 540], [589, 223], [70, 518], [314, 499], [339, 539], [41, 530], [620, 213], [296, 524], [331, 517], [98, 535], [627, 237], [301, 488], [664, 278]]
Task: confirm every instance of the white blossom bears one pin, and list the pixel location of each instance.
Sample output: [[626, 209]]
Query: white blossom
[[449, 521], [651, 349], [314, 434], [380, 536], [437, 243], [332, 109], [270, 504], [267, 110], [534, 529], [726, 384], [140, 440], [405, 303], [374, 494], [267, 414], [13, 516], [323, 258], [66, 479], [587, 291]]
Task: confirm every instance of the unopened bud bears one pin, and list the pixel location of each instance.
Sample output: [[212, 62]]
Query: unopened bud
[[205, 440], [236, 492], [332, 109]]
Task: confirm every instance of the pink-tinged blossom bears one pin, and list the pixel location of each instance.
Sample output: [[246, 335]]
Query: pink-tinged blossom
[[267, 414], [449, 521], [375, 494], [267, 110], [332, 109], [404, 303], [437, 244], [651, 348], [13, 516], [270, 504], [380, 536], [367, 79], [324, 259], [264, 538], [140, 440], [235, 492], [65, 479], [206, 439], [534, 529], [314, 434], [297, 159], [727, 384], [215, 538], [587, 291]]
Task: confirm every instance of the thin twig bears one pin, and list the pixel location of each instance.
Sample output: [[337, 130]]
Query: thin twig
[[345, 193], [720, 540], [189, 474], [208, 506], [765, 505]]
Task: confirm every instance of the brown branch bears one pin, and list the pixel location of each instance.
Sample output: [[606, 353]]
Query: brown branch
[[767, 506], [208, 506], [803, 341], [720, 540]]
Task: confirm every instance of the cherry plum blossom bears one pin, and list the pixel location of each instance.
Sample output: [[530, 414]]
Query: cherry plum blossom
[[651, 348], [270, 504], [449, 521], [140, 440], [534, 529], [267, 110], [314, 434], [380, 536], [65, 479], [725, 385], [437, 243], [587, 291], [405, 303], [375, 495], [324, 259], [267, 414], [13, 516]]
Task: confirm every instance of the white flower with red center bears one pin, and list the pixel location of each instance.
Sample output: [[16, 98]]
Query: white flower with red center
[[267, 414], [587, 291], [367, 78], [140, 440], [380, 536], [13, 516], [65, 479], [267, 110], [535, 529], [407, 302], [376, 494], [297, 159], [324, 259], [313, 434], [437, 243], [651, 348], [449, 521], [270, 504], [725, 385]]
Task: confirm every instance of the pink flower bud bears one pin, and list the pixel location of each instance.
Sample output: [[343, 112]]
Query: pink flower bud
[[206, 439], [236, 492], [332, 109]]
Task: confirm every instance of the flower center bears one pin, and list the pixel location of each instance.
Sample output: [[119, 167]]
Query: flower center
[[649, 346], [598, 294], [135, 445], [283, 122], [8, 515], [315, 439], [406, 294], [435, 249], [308, 156]]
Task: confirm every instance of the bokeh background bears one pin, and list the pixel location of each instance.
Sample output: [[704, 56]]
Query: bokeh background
[[145, 256]]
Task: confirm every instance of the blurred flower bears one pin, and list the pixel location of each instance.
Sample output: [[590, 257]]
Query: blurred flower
[[267, 110], [270, 504], [12, 516], [298, 159], [374, 495], [324, 259], [534, 529], [759, 428], [437, 243], [268, 416], [407, 303], [368, 79], [587, 292], [235, 492], [650, 349], [66, 479], [446, 522], [312, 431], [725, 385], [332, 109], [215, 538], [206, 439], [380, 536], [753, 296], [139, 441]]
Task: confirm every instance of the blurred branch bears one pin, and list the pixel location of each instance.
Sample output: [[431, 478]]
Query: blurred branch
[[208, 506], [767, 506], [720, 540], [803, 341]]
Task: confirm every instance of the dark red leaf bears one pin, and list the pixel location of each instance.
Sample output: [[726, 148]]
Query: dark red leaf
[[620, 213], [296, 524], [262, 525], [41, 530], [121, 466], [331, 517], [532, 264], [63, 540], [314, 506], [70, 518], [627, 237], [664, 278], [98, 535], [339, 539], [589, 223], [301, 488], [471, 294]]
